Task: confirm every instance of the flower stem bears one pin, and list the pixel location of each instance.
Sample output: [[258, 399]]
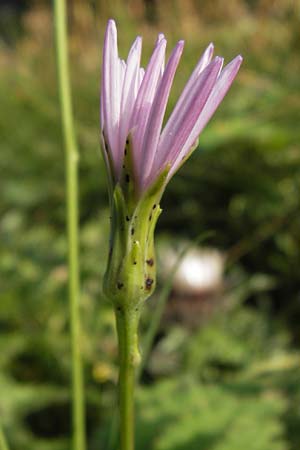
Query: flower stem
[[127, 329], [71, 164]]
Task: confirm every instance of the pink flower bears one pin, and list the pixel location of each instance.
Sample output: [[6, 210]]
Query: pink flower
[[133, 104]]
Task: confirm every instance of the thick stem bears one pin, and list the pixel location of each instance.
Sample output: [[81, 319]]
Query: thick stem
[[71, 167], [127, 328]]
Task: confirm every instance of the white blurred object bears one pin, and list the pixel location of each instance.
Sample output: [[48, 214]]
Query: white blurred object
[[201, 270]]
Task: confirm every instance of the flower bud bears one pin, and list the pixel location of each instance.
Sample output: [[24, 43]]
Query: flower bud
[[130, 277]]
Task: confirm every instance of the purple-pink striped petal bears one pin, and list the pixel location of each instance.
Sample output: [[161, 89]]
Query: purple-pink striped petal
[[158, 109], [111, 88], [146, 93], [219, 91], [180, 124], [129, 92], [160, 37], [202, 63]]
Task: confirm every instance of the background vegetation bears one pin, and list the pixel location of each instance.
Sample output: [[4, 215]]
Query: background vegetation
[[223, 372]]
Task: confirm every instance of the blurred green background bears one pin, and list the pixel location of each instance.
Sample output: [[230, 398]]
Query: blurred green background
[[223, 371]]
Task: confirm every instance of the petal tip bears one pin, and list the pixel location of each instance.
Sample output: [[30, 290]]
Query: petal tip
[[111, 30], [111, 23], [138, 43], [236, 62], [160, 37], [218, 60]]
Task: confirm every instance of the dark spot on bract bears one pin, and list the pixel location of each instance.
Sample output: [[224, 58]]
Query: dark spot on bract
[[150, 217], [127, 218], [132, 231], [150, 262], [127, 178], [127, 141], [148, 283], [154, 206], [125, 152], [120, 285], [134, 263]]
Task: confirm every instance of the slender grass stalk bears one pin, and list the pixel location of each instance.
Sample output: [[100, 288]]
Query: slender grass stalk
[[3, 442], [71, 165]]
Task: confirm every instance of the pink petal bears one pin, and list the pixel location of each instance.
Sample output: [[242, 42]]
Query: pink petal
[[160, 37], [141, 76], [145, 97], [181, 124], [129, 91], [158, 109], [219, 91], [111, 88], [122, 70], [202, 63]]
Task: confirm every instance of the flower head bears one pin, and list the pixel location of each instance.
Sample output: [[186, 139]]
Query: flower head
[[141, 156], [133, 105]]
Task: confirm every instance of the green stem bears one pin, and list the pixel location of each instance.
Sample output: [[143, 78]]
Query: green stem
[[71, 164], [3, 442], [127, 328]]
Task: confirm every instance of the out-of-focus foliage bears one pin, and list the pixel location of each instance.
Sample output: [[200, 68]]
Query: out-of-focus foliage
[[227, 379], [222, 417]]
